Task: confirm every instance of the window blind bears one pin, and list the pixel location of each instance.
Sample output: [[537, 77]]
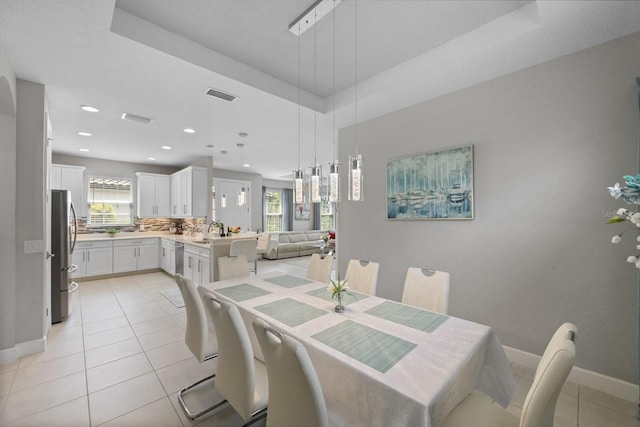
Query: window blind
[[110, 201]]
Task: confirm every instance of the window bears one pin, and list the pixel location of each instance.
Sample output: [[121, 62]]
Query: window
[[273, 211], [110, 201], [326, 215]]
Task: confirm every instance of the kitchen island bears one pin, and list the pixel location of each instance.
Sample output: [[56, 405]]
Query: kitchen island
[[100, 255]]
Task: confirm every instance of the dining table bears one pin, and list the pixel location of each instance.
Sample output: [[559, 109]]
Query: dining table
[[379, 362]]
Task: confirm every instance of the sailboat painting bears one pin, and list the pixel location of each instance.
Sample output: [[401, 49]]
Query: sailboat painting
[[436, 185]]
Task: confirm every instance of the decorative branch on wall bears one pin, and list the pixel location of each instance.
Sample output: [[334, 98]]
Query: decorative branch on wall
[[436, 185]]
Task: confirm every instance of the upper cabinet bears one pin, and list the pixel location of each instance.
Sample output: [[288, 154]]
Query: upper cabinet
[[189, 193], [153, 195], [67, 177]]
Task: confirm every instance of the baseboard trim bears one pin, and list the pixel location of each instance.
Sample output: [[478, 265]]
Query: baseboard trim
[[22, 349], [613, 386]]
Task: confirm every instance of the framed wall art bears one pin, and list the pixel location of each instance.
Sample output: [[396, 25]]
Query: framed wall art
[[436, 185], [303, 213]]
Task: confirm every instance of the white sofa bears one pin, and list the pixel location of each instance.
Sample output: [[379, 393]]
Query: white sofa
[[289, 244]]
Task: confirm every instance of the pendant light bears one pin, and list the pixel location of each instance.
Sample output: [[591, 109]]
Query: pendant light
[[333, 185], [298, 175], [355, 161], [315, 179], [242, 192]]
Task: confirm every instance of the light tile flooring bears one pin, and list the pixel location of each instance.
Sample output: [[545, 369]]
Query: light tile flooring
[[120, 360]]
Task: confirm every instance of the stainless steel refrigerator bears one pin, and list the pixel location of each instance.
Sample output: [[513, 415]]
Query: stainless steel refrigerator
[[63, 240]]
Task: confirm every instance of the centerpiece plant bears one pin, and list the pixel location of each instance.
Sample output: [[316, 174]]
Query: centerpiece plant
[[337, 288]]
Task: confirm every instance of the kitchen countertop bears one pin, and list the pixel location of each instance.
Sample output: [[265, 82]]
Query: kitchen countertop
[[216, 240]]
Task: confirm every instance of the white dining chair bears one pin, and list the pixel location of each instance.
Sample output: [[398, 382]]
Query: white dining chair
[[428, 289], [232, 267], [241, 378], [295, 393], [248, 249], [539, 407], [320, 268], [200, 338], [263, 243], [362, 276]]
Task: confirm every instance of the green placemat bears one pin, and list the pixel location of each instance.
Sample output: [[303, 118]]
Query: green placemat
[[243, 291], [288, 281], [290, 312], [375, 349], [347, 298], [412, 317]]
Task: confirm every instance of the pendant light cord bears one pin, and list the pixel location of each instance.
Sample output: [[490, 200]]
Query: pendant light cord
[[315, 94], [355, 18], [334, 81], [299, 106]]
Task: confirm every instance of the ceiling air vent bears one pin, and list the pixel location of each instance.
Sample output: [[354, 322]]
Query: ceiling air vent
[[220, 95], [134, 118]]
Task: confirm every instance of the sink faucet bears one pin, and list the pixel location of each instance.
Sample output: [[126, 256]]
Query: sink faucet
[[212, 224]]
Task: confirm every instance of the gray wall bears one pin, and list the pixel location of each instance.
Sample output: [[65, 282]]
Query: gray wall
[[548, 141], [7, 208], [29, 219]]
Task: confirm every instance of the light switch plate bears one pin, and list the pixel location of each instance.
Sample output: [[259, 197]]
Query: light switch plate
[[33, 246]]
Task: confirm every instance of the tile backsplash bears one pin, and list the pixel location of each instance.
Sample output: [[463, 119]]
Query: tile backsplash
[[150, 224]]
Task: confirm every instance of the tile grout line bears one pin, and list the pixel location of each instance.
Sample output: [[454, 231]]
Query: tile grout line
[[84, 357]]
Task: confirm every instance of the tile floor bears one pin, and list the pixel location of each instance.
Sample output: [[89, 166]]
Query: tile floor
[[120, 360]]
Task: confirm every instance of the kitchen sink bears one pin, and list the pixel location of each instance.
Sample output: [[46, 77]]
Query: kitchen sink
[[200, 241]]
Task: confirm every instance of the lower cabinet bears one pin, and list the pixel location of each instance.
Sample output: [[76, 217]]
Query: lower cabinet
[[92, 259], [196, 264], [168, 256], [135, 254]]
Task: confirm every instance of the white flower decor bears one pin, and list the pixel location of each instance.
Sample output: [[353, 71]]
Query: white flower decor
[[630, 193]]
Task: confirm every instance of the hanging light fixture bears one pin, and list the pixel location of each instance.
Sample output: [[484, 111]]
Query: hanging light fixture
[[315, 179], [242, 192], [242, 196], [355, 161], [333, 187], [355, 178], [298, 175], [223, 201]]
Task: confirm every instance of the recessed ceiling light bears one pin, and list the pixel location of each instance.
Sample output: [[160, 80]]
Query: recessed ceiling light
[[166, 147], [90, 109], [189, 130], [84, 134], [151, 158], [247, 165], [86, 150], [209, 145]]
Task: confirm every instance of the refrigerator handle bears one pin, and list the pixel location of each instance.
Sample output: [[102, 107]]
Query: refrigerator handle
[[75, 228], [73, 286]]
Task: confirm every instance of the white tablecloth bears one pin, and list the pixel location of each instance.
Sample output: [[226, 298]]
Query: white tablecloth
[[419, 390]]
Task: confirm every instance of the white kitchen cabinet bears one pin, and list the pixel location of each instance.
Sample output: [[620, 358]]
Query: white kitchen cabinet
[[153, 195], [189, 193], [136, 254], [197, 264], [168, 256], [92, 259], [68, 177]]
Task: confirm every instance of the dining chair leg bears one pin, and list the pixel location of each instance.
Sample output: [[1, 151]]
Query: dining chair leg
[[256, 416], [186, 390]]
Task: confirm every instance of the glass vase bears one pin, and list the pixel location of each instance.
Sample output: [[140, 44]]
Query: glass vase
[[339, 308]]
